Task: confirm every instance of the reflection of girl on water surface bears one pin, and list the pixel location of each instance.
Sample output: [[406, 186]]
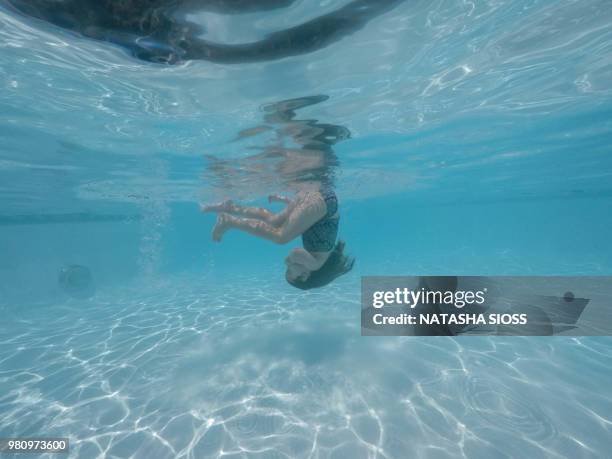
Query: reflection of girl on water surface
[[313, 213]]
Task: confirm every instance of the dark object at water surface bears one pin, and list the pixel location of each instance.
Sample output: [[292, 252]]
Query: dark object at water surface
[[149, 30]]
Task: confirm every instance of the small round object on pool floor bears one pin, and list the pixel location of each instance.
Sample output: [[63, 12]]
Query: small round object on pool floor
[[568, 296], [76, 281]]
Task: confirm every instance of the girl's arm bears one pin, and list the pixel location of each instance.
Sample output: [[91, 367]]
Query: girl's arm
[[304, 258]]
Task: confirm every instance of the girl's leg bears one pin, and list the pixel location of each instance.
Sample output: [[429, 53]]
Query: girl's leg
[[250, 225], [228, 206], [299, 218], [256, 212]]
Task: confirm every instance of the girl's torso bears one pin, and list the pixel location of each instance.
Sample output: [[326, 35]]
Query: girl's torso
[[321, 237]]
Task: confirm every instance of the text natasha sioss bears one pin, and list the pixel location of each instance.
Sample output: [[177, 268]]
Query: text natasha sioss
[[450, 319]]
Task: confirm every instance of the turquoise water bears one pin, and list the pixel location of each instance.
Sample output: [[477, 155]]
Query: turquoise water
[[479, 144]]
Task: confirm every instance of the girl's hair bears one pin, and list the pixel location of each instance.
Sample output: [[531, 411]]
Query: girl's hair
[[336, 265]]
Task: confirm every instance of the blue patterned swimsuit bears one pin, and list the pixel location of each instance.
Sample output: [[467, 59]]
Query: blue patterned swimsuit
[[321, 237]]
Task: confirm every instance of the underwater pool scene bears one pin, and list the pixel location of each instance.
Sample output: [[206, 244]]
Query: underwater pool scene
[[459, 137]]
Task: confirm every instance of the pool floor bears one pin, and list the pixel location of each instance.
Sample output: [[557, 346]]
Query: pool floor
[[183, 369]]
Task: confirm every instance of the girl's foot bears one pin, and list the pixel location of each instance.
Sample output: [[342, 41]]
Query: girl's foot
[[223, 206], [221, 227]]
